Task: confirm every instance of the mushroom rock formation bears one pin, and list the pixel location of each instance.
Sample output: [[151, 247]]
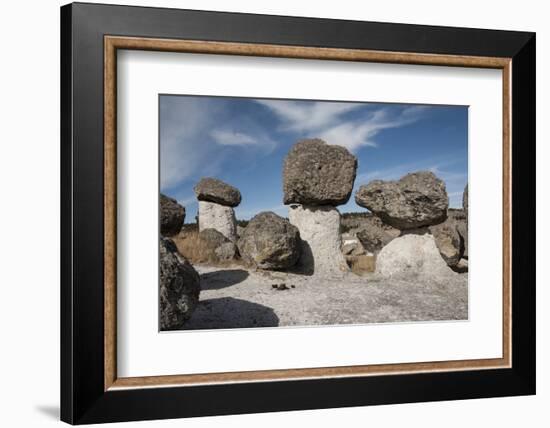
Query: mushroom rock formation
[[417, 199], [172, 216], [270, 242], [216, 202], [179, 287], [316, 178]]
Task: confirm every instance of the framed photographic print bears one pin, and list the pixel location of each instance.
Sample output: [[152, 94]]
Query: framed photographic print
[[266, 213]]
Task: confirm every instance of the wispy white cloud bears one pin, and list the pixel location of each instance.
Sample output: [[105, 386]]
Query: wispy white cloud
[[308, 116], [231, 137], [330, 121]]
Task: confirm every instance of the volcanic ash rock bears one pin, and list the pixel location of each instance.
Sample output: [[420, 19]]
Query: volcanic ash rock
[[270, 242], [374, 234], [179, 285], [417, 199], [412, 255], [172, 216], [320, 237], [448, 241], [214, 190], [216, 247], [218, 217], [316, 173]]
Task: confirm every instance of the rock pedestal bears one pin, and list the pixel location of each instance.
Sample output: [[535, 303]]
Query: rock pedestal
[[317, 177], [412, 254], [319, 228], [219, 217]]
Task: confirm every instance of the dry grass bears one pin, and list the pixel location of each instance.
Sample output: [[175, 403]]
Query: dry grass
[[361, 264], [196, 250]]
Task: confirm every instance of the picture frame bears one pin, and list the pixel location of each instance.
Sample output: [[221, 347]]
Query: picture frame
[[91, 391]]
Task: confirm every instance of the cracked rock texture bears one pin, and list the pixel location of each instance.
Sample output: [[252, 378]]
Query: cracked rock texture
[[270, 242], [417, 199], [317, 173], [214, 190], [172, 216], [179, 287]]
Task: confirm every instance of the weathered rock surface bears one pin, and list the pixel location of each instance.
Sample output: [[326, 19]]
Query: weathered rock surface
[[351, 246], [179, 285], [448, 241], [270, 242], [218, 217], [316, 173], [172, 216], [412, 255], [417, 199], [374, 234], [463, 226], [465, 201], [216, 247], [214, 190], [320, 238], [462, 229]]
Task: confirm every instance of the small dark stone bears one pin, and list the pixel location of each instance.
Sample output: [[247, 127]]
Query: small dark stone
[[292, 286], [274, 285]]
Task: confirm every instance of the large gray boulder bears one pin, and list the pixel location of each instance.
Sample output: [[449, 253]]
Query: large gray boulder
[[316, 173], [448, 240], [214, 190], [417, 199], [270, 242], [179, 285], [215, 247], [172, 216], [412, 255], [374, 234]]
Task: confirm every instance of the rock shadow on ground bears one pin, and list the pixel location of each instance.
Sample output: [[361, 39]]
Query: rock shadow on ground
[[222, 278], [229, 312]]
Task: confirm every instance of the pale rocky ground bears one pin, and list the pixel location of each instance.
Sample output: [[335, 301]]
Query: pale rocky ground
[[234, 297]]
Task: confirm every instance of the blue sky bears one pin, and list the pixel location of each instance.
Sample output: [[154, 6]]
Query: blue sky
[[243, 141]]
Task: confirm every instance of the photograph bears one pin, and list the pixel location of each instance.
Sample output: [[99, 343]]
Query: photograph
[[297, 213]]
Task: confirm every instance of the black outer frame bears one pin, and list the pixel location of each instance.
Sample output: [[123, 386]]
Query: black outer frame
[[83, 399]]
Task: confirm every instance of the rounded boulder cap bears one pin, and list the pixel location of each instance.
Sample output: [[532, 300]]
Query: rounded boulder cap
[[213, 190]]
